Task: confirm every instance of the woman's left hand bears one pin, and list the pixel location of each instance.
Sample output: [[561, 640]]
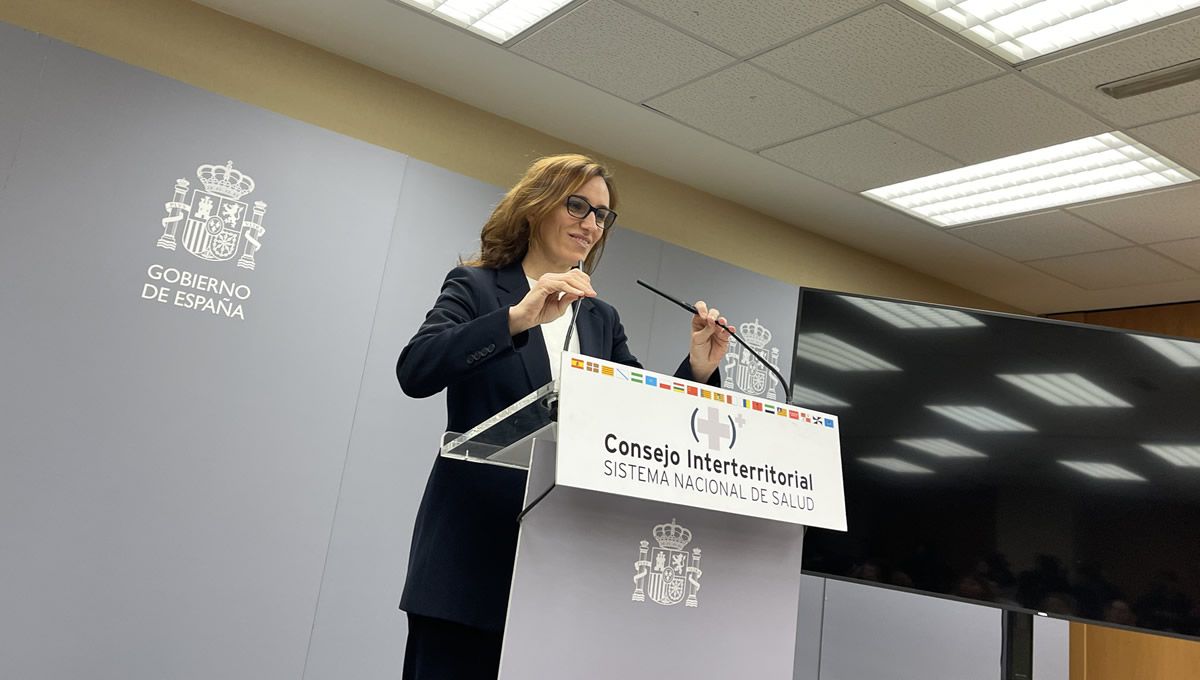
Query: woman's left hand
[[709, 342]]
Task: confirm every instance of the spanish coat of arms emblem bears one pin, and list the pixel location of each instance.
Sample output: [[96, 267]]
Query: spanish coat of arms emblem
[[667, 573], [742, 371], [218, 222]]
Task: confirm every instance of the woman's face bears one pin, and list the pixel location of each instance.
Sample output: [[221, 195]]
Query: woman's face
[[563, 239]]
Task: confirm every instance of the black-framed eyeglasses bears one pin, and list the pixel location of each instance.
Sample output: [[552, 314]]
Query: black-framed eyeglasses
[[579, 207]]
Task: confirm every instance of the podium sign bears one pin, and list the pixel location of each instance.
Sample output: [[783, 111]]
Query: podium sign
[[651, 436]]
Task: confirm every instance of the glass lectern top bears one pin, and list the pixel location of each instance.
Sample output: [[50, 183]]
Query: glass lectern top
[[492, 441]]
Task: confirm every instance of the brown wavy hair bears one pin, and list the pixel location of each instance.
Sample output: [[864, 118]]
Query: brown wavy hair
[[506, 235]]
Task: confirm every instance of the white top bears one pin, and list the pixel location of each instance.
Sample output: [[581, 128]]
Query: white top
[[554, 332]]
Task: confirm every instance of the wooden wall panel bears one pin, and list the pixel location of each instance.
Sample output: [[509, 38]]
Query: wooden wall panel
[[1182, 319], [1078, 317], [1078, 652], [1099, 653]]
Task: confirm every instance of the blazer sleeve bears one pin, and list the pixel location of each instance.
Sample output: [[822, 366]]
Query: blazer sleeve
[[622, 355], [455, 341], [620, 344], [685, 371]]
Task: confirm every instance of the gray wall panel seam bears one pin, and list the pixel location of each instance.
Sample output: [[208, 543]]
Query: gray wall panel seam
[[366, 358], [821, 628], [662, 253]]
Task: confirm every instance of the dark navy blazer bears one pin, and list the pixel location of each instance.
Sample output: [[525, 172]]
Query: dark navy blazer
[[465, 537]]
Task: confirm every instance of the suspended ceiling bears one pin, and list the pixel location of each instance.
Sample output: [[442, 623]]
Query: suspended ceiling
[[793, 107]]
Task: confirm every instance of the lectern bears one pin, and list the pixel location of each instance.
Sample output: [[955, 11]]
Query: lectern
[[663, 524]]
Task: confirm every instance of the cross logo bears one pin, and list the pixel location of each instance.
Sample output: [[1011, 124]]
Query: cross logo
[[714, 427]]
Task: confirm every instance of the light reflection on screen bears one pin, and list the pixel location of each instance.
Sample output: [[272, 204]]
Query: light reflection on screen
[[1019, 462]]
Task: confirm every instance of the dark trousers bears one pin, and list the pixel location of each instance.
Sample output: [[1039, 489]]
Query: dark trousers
[[444, 650]]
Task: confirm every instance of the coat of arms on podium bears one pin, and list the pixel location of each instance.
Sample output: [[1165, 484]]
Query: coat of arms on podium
[[742, 371], [216, 222], [668, 573]]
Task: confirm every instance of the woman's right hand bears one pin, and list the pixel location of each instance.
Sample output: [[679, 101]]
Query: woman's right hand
[[549, 299]]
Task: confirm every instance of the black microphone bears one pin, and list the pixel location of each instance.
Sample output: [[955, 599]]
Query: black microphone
[[787, 390]]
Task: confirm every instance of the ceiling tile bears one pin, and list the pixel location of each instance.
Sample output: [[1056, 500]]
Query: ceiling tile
[[743, 28], [1115, 269], [749, 107], [878, 60], [1033, 237], [612, 47], [1077, 76], [416, 47], [993, 119], [1148, 218], [1186, 251], [1177, 139], [860, 156]]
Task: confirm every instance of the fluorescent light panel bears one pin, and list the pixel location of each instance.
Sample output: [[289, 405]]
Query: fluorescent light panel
[[829, 351], [803, 396], [1065, 389], [498, 20], [1019, 30], [1182, 352], [1083, 170], [981, 418], [1103, 470], [943, 448], [1183, 455], [896, 465], [903, 315]]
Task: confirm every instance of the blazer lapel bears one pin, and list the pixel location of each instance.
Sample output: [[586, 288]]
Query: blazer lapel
[[512, 287]]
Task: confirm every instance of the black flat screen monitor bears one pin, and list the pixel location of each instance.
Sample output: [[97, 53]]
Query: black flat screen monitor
[[1030, 464]]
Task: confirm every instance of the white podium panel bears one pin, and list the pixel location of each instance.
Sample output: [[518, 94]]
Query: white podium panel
[[613, 587]]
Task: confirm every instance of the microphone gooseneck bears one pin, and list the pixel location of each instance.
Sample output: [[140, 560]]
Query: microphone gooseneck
[[787, 390], [550, 402], [574, 312]]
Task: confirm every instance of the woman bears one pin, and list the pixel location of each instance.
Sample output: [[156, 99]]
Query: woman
[[494, 335]]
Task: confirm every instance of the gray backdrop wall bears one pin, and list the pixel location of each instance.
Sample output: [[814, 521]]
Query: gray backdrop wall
[[208, 470]]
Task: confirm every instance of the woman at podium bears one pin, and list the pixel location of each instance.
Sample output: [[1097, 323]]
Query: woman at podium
[[494, 335]]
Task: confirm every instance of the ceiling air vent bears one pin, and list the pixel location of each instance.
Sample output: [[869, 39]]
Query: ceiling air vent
[[1153, 81]]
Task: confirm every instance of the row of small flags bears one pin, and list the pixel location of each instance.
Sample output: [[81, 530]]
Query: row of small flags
[[672, 386]]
